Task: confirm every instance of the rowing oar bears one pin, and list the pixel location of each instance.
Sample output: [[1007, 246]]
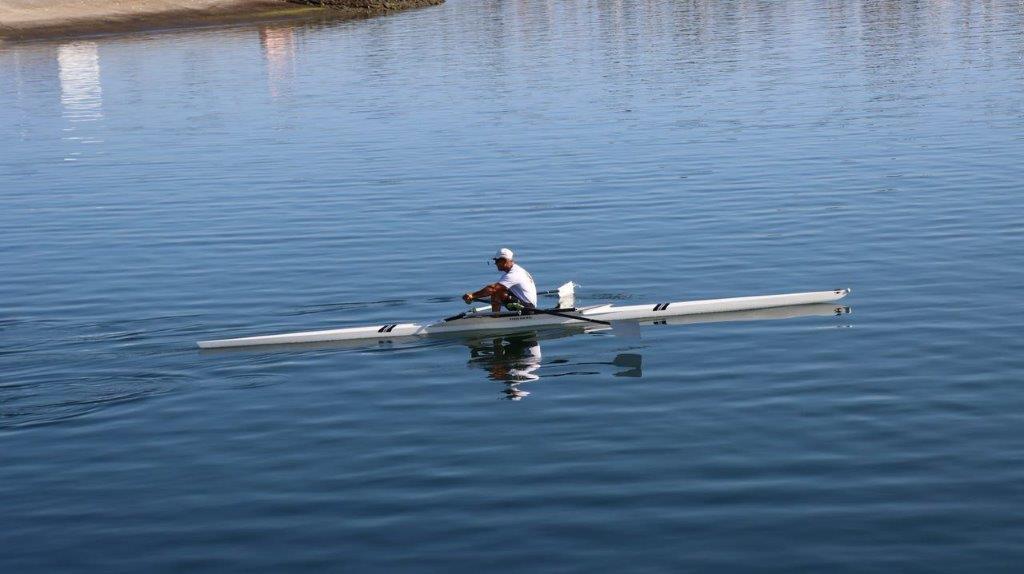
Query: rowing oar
[[567, 316], [627, 328]]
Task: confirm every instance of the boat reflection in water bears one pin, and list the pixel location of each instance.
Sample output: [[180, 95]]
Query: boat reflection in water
[[515, 358]]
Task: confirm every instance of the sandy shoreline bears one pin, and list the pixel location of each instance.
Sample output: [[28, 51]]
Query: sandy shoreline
[[30, 19]]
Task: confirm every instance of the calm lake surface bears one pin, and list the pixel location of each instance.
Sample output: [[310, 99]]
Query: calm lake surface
[[159, 189]]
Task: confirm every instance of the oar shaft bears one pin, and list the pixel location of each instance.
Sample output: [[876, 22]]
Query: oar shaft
[[567, 316]]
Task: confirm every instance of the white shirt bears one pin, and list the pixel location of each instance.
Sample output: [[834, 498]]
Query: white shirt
[[520, 283]]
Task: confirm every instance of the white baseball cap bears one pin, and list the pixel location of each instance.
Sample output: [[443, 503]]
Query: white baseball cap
[[504, 253]]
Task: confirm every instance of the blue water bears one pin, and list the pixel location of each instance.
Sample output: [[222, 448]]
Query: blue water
[[163, 188]]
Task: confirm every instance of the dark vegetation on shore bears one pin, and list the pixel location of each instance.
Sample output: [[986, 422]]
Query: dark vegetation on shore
[[369, 7]]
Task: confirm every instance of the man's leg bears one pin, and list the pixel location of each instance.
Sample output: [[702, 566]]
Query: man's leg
[[499, 294]]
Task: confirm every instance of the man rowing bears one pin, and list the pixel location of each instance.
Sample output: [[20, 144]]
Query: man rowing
[[515, 289]]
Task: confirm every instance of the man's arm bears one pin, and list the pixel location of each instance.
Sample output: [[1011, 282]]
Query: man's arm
[[485, 292]]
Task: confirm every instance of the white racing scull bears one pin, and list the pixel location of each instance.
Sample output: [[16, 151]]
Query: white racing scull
[[481, 318]]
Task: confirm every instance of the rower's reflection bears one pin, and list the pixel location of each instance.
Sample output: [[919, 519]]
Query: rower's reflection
[[514, 360]]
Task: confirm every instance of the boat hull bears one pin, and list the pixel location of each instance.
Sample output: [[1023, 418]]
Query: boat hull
[[484, 322]]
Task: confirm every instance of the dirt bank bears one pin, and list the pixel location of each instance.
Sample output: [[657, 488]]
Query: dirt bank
[[28, 19]]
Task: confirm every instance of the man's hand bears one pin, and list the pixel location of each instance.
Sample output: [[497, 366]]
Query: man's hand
[[468, 298]]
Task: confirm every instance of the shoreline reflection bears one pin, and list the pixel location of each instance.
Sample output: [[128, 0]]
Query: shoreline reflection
[[81, 98], [278, 43], [80, 93]]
